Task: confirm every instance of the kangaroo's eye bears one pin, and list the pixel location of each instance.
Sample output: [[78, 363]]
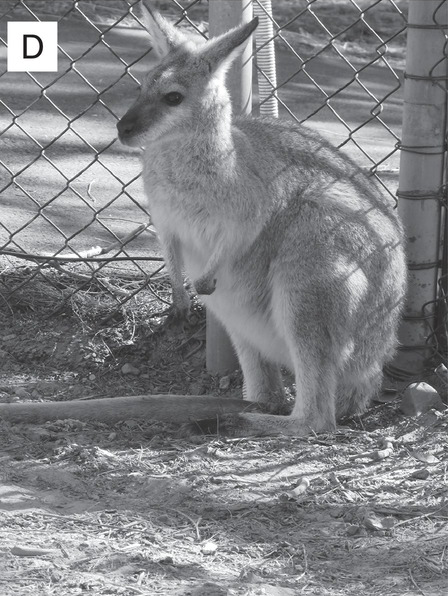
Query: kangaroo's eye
[[174, 98]]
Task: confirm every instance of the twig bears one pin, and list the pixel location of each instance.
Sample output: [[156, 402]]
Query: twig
[[194, 350], [415, 583], [305, 563], [423, 515], [23, 551], [195, 524]]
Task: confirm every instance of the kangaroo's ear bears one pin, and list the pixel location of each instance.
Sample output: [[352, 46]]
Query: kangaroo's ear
[[164, 35], [222, 50]]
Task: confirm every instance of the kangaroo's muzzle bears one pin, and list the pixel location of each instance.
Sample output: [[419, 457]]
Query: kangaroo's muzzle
[[128, 126]]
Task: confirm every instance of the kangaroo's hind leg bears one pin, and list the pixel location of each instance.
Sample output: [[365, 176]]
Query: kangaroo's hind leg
[[311, 354], [314, 408]]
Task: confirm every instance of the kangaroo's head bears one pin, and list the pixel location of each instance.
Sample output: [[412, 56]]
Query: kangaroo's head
[[186, 82]]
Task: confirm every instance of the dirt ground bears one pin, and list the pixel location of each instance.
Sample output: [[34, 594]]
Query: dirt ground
[[131, 508]]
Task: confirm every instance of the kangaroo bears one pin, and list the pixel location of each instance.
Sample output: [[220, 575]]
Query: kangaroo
[[293, 248]]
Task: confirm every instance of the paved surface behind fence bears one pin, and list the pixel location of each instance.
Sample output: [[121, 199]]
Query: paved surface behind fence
[[97, 126]]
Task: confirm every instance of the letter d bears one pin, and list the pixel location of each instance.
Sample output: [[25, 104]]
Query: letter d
[[25, 46]]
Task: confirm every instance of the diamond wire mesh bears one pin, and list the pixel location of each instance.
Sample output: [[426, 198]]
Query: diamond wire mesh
[[65, 183], [340, 53]]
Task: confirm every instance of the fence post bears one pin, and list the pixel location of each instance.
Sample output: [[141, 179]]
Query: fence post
[[421, 177], [265, 59], [223, 15]]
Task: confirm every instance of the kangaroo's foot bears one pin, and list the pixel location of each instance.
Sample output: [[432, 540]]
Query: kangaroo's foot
[[205, 285]]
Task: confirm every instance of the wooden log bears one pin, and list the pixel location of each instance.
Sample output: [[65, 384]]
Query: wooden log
[[175, 409]]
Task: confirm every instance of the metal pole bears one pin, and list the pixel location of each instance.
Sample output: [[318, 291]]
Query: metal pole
[[265, 58], [223, 15], [421, 177]]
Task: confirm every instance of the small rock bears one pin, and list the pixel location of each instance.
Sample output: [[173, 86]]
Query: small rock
[[419, 398], [92, 377], [197, 389], [48, 387], [9, 337], [421, 474], [380, 454], [209, 548], [35, 394], [301, 488], [21, 392], [372, 522], [129, 369], [426, 458], [387, 442], [224, 383], [215, 480], [167, 560]]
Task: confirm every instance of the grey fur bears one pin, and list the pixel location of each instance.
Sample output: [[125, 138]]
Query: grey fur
[[300, 254]]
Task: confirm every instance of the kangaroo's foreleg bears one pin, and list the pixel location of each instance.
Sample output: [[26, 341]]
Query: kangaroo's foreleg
[[173, 261]]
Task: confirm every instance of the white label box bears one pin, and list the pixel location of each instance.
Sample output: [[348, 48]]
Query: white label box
[[32, 46]]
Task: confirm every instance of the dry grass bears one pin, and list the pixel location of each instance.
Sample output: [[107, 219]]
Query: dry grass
[[132, 509]]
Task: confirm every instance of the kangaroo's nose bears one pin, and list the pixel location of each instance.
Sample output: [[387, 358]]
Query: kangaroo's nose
[[126, 125]]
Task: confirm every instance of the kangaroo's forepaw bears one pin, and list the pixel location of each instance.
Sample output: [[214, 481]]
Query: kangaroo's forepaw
[[205, 285], [179, 311]]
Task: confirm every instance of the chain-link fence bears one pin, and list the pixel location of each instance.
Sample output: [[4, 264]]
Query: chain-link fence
[[73, 213]]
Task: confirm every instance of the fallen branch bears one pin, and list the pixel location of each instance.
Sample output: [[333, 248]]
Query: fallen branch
[[175, 409]]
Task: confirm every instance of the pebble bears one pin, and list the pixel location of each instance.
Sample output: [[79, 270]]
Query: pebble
[[9, 337], [419, 398], [209, 548], [129, 369], [21, 392], [197, 389], [421, 474], [224, 383]]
